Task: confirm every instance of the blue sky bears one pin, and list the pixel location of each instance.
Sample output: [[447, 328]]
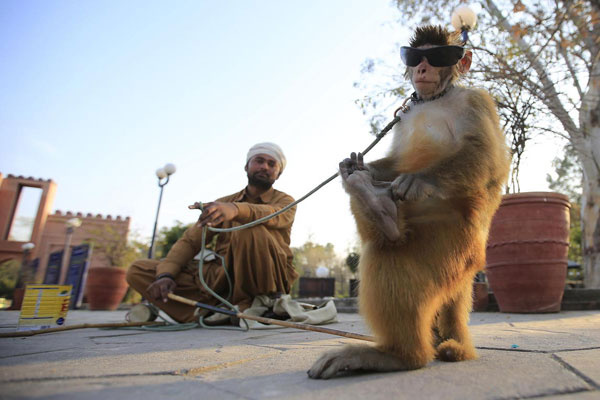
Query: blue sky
[[96, 95]]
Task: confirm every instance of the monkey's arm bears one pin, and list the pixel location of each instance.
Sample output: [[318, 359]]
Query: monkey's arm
[[383, 169], [371, 200]]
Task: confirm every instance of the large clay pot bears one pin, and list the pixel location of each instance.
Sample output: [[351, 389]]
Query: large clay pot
[[527, 252], [105, 287], [17, 301]]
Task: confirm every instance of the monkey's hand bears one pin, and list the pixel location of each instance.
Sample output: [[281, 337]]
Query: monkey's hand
[[413, 187], [353, 164], [375, 199]]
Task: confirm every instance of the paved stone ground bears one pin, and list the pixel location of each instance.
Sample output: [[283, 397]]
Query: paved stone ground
[[550, 356]]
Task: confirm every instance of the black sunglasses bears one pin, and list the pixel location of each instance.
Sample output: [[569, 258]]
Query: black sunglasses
[[442, 56]]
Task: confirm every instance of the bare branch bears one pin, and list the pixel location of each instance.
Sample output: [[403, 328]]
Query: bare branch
[[549, 94]]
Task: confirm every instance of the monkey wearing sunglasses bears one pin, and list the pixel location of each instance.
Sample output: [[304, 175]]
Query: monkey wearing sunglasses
[[423, 213]]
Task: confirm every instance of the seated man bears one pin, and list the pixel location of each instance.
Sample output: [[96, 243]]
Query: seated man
[[259, 259]]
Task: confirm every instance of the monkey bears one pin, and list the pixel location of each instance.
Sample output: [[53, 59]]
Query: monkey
[[423, 214]]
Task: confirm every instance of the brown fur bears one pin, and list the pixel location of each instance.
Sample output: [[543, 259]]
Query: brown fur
[[421, 281]]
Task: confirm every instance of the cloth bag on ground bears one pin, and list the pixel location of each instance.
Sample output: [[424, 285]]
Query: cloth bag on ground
[[325, 314]]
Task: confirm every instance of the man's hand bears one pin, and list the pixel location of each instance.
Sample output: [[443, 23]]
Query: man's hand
[[160, 288], [216, 213]]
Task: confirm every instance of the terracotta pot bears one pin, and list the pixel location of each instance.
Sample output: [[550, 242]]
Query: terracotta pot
[[480, 296], [527, 252], [105, 287], [17, 301]]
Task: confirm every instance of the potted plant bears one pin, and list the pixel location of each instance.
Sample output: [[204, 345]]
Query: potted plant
[[527, 249], [106, 285]]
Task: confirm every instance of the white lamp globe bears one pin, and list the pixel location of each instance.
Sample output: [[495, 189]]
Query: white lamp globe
[[463, 17], [322, 272], [161, 173], [169, 169], [28, 246], [74, 223]]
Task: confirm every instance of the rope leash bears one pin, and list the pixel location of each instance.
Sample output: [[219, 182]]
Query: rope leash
[[168, 326], [259, 221]]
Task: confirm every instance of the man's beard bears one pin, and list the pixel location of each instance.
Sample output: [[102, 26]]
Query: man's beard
[[259, 181]]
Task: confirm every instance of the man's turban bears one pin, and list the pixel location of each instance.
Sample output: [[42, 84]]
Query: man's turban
[[270, 149]]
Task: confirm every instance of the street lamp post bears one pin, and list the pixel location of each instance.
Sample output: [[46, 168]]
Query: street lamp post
[[162, 173], [71, 225], [24, 271]]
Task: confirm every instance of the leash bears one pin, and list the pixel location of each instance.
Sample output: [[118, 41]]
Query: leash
[[199, 205], [165, 325], [259, 221]]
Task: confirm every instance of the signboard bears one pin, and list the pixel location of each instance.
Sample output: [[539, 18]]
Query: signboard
[[77, 272], [53, 269], [44, 306]]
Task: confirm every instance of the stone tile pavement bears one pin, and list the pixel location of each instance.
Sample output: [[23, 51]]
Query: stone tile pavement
[[549, 356]]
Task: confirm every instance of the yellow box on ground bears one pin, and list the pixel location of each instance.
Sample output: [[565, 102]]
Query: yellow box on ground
[[44, 306]]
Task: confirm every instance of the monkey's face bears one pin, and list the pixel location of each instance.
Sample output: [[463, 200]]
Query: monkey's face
[[429, 81]]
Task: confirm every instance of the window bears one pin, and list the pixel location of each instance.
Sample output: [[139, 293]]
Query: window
[[24, 214]]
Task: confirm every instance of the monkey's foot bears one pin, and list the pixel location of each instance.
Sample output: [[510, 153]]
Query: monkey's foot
[[376, 200], [451, 350], [355, 358]]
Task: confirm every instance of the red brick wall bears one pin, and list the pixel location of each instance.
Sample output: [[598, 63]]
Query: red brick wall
[[54, 235], [49, 230]]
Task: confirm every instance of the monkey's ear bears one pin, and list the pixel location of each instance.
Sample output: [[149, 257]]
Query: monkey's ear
[[465, 63]]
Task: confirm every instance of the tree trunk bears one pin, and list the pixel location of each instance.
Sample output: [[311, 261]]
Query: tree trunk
[[585, 139], [590, 213], [589, 156]]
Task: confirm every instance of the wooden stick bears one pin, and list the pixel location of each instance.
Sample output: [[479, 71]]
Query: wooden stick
[[272, 321], [80, 326]]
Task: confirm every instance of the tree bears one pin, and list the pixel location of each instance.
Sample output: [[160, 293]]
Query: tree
[[9, 272], [352, 261], [168, 236], [547, 52], [311, 255], [113, 246]]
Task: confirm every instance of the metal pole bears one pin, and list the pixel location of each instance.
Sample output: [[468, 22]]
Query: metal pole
[[23, 271], [151, 249], [65, 259], [270, 321]]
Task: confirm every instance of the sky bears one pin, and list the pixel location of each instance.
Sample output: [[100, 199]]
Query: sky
[[97, 95]]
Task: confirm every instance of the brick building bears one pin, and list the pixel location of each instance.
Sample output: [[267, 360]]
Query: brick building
[[25, 217]]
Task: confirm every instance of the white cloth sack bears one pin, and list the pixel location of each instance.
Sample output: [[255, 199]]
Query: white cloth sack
[[325, 314]]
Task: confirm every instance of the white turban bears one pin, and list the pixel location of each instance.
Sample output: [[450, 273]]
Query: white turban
[[270, 149]]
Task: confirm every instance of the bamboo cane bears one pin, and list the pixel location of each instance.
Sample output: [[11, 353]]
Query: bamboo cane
[[80, 326], [272, 321]]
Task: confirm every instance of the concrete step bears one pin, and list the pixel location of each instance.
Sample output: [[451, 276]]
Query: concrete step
[[573, 300]]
